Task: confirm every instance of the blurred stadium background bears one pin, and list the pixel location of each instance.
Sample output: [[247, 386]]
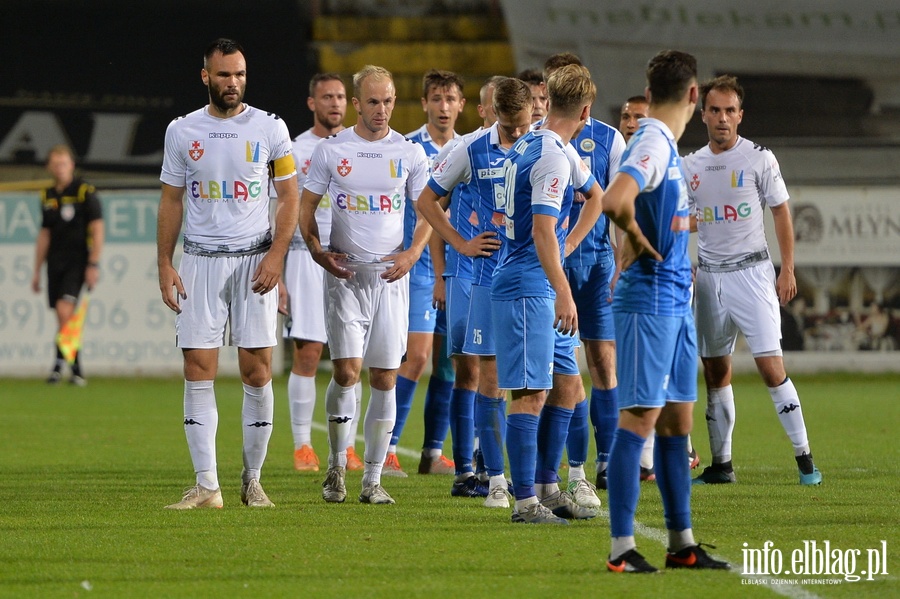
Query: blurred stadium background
[[823, 91]]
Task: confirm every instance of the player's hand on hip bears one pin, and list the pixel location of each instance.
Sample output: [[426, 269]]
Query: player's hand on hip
[[267, 275], [168, 278], [482, 245], [402, 263], [635, 246]]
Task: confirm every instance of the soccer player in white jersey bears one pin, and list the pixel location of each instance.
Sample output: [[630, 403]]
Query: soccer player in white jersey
[[442, 102], [532, 304], [655, 336], [370, 171], [222, 156], [731, 181], [476, 162], [305, 280]]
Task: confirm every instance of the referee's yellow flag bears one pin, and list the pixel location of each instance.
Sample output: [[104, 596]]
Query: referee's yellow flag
[[69, 337]]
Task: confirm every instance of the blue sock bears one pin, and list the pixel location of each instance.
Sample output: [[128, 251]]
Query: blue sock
[[437, 412], [605, 417], [553, 428], [521, 446], [462, 428], [577, 441], [490, 414], [673, 477], [406, 389], [623, 476]]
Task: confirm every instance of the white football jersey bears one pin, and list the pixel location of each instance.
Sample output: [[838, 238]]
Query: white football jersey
[[369, 183], [304, 144], [223, 165], [728, 193]]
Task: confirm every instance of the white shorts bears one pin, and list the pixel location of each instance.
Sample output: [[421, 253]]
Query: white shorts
[[305, 282], [218, 294], [741, 300], [367, 317]]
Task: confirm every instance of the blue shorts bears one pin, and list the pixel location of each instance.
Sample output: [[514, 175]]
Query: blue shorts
[[459, 293], [422, 314], [530, 351], [656, 359], [593, 299], [480, 327]]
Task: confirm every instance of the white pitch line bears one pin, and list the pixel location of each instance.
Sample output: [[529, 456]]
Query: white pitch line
[[662, 537], [654, 534]]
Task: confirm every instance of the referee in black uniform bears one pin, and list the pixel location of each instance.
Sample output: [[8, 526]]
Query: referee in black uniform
[[70, 242]]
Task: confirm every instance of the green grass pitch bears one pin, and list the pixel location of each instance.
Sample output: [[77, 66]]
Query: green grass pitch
[[86, 472]]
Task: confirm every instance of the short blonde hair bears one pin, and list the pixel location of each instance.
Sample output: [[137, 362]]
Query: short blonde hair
[[61, 149], [569, 88], [369, 70]]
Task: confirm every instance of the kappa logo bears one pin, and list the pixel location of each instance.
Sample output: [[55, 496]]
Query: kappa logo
[[344, 167], [192, 421], [196, 150], [788, 408], [695, 182], [260, 424]]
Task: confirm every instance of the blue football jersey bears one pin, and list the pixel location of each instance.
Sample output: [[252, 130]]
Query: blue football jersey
[[541, 176], [600, 147], [662, 211]]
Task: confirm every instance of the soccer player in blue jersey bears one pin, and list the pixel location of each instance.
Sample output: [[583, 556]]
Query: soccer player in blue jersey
[[655, 337], [476, 162], [589, 269], [443, 102], [531, 300]]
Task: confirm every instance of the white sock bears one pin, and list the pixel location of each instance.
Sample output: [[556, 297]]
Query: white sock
[[679, 539], [787, 405], [720, 415], [523, 504], [379, 423], [576, 473], [621, 545], [256, 416], [391, 448], [432, 453], [302, 402], [498, 481], [545, 490], [339, 405], [354, 426], [201, 419], [647, 452]]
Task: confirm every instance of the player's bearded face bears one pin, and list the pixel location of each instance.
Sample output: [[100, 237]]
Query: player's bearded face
[[226, 79], [330, 103], [226, 96]]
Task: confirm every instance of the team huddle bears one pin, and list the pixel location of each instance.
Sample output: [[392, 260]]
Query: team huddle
[[490, 254]]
